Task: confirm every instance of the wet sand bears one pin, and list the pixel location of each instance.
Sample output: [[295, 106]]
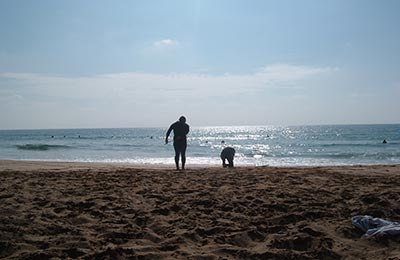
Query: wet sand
[[100, 211]]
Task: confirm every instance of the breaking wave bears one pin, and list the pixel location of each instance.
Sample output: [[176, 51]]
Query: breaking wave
[[41, 147]]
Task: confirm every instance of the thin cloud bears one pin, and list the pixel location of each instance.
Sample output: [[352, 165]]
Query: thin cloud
[[140, 86], [165, 44], [292, 72], [132, 98]]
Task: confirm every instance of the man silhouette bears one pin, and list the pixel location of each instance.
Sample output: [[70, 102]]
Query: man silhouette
[[181, 129], [228, 153]]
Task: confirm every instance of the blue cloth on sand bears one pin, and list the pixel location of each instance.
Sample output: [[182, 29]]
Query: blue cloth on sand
[[376, 226]]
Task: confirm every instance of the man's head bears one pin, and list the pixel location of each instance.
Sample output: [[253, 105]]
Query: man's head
[[182, 119]]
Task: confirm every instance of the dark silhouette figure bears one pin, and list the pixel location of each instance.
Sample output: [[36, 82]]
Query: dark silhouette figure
[[181, 129], [384, 141], [228, 153]]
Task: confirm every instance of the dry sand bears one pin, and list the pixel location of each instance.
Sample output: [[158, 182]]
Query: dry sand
[[97, 211]]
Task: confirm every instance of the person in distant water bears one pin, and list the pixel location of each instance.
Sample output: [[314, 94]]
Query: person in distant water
[[181, 129], [384, 141], [228, 153]]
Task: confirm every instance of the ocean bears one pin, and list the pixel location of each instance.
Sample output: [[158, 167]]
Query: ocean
[[254, 145]]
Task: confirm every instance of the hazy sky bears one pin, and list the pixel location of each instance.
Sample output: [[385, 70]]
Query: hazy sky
[[94, 63]]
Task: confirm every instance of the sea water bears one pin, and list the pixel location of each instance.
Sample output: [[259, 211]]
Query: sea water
[[254, 145]]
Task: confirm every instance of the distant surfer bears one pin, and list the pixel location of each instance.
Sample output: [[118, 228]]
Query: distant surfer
[[384, 141], [227, 154], [181, 129]]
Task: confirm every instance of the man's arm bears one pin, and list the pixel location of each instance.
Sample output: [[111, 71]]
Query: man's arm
[[168, 133], [187, 130]]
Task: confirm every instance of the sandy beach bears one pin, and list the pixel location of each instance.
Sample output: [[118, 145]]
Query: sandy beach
[[100, 211]]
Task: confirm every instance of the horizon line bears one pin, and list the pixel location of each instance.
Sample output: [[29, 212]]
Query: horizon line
[[205, 126]]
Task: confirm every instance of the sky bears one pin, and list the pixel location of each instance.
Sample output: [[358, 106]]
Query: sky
[[103, 63]]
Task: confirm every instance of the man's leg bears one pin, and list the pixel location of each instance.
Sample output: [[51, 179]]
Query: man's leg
[[176, 147], [223, 162], [230, 160], [183, 154]]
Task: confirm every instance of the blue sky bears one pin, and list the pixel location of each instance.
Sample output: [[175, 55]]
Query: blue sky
[[145, 63]]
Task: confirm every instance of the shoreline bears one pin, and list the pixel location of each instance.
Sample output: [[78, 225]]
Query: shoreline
[[18, 165], [58, 165], [102, 211]]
